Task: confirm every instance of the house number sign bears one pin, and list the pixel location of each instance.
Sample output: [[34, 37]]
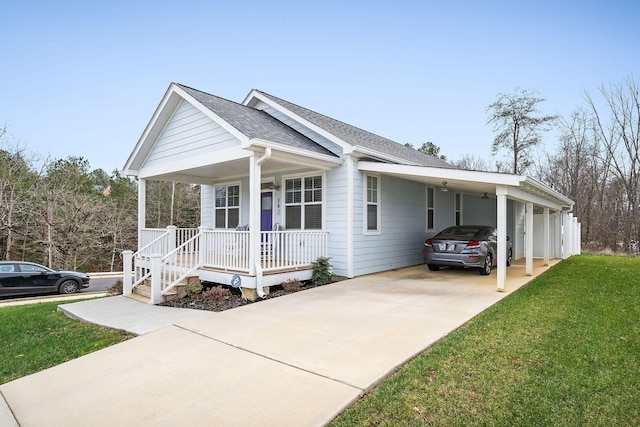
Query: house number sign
[[236, 281]]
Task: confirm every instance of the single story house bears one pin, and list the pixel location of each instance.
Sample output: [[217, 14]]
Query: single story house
[[282, 185]]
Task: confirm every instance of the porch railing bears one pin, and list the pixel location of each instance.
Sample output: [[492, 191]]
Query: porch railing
[[151, 242], [170, 255], [291, 249], [225, 250]]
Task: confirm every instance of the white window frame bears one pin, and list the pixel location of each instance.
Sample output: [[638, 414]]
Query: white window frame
[[302, 203], [430, 208], [366, 203], [226, 207], [458, 209]]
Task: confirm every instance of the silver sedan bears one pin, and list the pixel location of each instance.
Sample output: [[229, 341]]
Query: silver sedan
[[468, 246]]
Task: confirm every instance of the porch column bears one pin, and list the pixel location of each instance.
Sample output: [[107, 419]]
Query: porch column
[[528, 238], [501, 196], [350, 176], [142, 207], [254, 218], [545, 218]]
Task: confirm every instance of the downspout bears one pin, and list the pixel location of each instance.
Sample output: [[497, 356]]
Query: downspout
[[256, 227]]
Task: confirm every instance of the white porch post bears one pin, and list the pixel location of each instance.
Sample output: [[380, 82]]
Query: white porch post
[[350, 177], [203, 249], [172, 238], [142, 207], [254, 225], [546, 236], [501, 195], [528, 238], [127, 258], [156, 291]]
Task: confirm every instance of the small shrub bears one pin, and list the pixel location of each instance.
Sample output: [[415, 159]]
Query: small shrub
[[217, 294], [116, 288], [193, 289], [292, 285], [321, 271]]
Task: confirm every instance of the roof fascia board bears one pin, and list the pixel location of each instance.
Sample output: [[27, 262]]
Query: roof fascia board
[[524, 196], [544, 188], [441, 173], [153, 122], [511, 184], [346, 147]]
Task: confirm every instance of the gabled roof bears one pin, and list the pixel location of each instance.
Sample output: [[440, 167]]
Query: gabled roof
[[254, 123], [357, 137]]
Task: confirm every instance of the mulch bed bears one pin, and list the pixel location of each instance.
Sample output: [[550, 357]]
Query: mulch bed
[[235, 299]]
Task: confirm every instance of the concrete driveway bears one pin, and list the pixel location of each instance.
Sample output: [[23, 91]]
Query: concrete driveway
[[294, 360]]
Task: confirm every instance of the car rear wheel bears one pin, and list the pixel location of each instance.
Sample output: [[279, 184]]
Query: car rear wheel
[[486, 270], [68, 287], [433, 267]]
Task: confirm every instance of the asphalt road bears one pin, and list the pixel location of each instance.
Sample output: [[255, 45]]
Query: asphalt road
[[101, 284]]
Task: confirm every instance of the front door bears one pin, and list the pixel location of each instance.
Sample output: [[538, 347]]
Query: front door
[[266, 211]]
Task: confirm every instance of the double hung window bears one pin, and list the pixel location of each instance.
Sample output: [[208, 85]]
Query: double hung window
[[303, 203], [458, 208], [372, 202], [227, 206], [431, 208]]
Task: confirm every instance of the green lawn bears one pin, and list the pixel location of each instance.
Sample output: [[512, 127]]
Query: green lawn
[[34, 337], [564, 350]]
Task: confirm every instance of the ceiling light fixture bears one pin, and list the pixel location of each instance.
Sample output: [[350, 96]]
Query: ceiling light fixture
[[486, 197], [444, 186]]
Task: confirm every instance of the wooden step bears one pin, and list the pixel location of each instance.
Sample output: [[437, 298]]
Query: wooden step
[[143, 290]]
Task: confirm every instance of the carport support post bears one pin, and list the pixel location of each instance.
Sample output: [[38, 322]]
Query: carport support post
[[528, 239], [545, 218], [501, 196]]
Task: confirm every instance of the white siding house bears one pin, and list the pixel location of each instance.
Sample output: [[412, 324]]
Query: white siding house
[[282, 185]]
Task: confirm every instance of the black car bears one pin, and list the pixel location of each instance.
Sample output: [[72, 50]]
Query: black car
[[27, 278]]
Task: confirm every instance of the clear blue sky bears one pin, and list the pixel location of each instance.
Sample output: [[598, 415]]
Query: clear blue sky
[[83, 78]]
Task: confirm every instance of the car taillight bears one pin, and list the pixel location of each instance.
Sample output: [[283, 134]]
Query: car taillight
[[473, 244], [428, 243]]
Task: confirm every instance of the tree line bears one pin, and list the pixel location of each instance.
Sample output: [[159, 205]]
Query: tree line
[[64, 215], [596, 160]]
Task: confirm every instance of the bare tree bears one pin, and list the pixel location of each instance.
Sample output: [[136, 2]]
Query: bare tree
[[619, 134], [519, 125], [15, 181], [471, 162], [577, 171]]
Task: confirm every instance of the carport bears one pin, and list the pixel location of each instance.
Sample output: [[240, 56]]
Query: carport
[[538, 217]]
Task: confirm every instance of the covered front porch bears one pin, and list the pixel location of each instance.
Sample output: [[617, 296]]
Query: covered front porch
[[168, 257]]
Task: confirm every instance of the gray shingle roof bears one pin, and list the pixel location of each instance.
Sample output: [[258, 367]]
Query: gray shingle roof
[[254, 123], [359, 137]]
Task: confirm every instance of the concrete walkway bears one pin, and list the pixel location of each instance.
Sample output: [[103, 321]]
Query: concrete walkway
[[294, 360]]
